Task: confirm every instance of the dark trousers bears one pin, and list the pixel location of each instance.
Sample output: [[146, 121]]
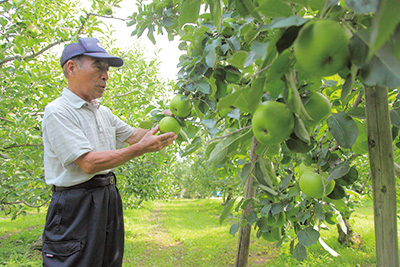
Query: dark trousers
[[84, 227]]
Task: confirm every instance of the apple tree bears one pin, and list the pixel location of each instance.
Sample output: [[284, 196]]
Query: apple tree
[[291, 88]]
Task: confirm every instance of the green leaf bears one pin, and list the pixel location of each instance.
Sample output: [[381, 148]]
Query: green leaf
[[234, 114], [251, 217], [346, 87], [275, 8], [343, 128], [221, 150], [227, 210], [319, 211], [383, 69], [357, 112], [150, 35], [363, 6], [204, 87], [384, 24], [260, 49], [211, 54], [146, 124], [294, 100], [256, 93], [234, 228], [237, 99], [244, 174], [395, 117], [265, 210], [338, 171], [268, 189], [358, 47], [238, 59], [308, 236], [216, 12], [262, 224], [193, 147], [279, 66], [247, 7], [189, 11], [262, 174], [299, 252], [285, 22], [301, 131]]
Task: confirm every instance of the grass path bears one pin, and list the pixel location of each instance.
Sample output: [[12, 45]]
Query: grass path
[[185, 233]]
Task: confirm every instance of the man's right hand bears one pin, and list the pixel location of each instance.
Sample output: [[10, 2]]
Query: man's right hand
[[152, 142]]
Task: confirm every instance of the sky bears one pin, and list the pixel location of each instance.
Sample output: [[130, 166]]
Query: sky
[[169, 52]]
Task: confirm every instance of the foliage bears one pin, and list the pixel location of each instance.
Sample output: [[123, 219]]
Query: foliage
[[239, 53]]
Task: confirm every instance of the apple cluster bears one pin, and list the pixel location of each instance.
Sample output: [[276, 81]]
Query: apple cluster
[[180, 107], [273, 122]]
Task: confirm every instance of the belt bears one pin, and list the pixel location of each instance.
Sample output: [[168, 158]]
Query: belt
[[96, 181]]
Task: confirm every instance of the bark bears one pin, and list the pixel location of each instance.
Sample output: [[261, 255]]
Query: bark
[[383, 175], [242, 255]]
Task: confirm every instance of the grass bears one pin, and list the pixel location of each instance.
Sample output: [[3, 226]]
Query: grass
[[16, 239], [188, 233]]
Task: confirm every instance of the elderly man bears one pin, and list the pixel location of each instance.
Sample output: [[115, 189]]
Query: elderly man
[[83, 143]]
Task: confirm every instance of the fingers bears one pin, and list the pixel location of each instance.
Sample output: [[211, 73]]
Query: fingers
[[167, 138], [167, 112], [154, 130]]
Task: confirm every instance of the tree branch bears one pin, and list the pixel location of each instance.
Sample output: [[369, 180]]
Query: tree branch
[[33, 55], [16, 145], [221, 137], [4, 119], [358, 100], [25, 203], [108, 17]]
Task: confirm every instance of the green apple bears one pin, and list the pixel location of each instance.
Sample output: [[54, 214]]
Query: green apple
[[318, 108], [169, 124], [321, 47], [311, 184], [273, 123], [32, 31], [180, 107], [108, 9]]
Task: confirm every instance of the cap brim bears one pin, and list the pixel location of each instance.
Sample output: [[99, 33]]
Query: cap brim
[[113, 61]]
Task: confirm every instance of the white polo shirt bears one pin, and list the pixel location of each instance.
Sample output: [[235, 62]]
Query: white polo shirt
[[72, 127]]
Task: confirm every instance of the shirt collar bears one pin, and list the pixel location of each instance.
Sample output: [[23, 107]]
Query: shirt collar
[[78, 102]]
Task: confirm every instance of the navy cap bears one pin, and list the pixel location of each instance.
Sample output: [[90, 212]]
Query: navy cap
[[89, 46]]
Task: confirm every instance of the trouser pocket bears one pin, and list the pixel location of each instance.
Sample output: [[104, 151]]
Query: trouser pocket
[[65, 253]]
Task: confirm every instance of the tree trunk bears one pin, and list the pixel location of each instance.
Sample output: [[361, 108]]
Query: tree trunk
[[383, 176], [242, 254], [351, 238]]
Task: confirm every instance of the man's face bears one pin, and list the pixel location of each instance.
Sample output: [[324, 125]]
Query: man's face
[[91, 78]]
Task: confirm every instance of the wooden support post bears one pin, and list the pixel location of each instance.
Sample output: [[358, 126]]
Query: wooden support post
[[242, 255], [383, 176]]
